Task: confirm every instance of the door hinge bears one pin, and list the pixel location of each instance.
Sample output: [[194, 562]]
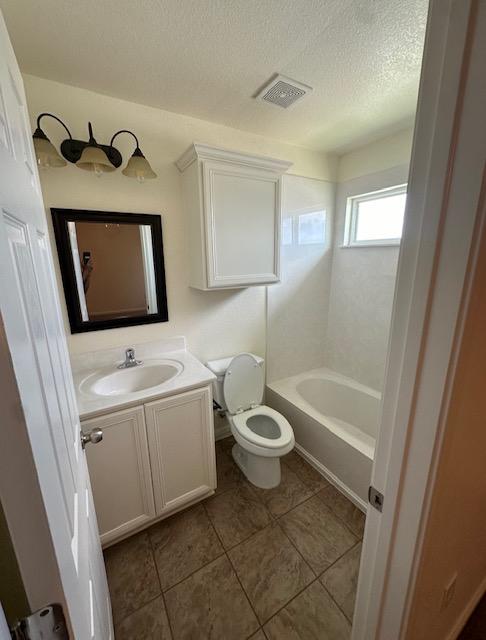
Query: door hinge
[[376, 499], [47, 623]]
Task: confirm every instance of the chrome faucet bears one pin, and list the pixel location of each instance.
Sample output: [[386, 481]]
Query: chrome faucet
[[130, 360]]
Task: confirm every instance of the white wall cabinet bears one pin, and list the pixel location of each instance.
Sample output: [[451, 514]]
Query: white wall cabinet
[[153, 460], [233, 212]]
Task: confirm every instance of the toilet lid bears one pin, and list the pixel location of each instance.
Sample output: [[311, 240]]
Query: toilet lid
[[243, 383]]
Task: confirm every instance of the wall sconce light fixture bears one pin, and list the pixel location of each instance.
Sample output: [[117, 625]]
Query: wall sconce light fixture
[[90, 156]]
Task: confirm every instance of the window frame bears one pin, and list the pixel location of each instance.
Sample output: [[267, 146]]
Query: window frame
[[351, 224]]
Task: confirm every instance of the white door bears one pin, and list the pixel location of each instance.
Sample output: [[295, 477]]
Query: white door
[[33, 325]]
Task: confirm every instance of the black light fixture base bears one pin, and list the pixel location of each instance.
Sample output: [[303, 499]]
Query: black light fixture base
[[72, 150]]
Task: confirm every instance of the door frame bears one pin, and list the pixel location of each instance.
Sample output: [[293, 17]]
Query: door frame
[[431, 295]]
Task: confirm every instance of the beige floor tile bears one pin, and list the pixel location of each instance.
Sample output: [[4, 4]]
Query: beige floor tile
[[182, 544], [237, 514], [312, 479], [342, 578], [259, 635], [312, 615], [317, 533], [352, 517], [148, 623], [270, 570], [211, 604], [132, 576], [290, 492]]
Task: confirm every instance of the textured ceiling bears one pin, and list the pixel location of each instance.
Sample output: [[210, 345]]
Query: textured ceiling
[[208, 58]]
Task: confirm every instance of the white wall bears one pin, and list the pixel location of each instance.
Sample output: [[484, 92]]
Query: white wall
[[216, 323], [392, 151], [362, 288], [298, 305]]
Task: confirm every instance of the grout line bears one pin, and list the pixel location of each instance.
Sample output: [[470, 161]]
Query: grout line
[[338, 559], [341, 520], [336, 603], [291, 600], [236, 574], [160, 586], [328, 590], [314, 491], [189, 575], [274, 521], [119, 622], [246, 595], [296, 548]]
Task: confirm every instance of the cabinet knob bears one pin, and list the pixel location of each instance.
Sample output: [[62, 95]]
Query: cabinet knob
[[93, 437]]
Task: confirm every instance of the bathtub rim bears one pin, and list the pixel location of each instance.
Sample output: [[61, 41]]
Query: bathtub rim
[[286, 388]]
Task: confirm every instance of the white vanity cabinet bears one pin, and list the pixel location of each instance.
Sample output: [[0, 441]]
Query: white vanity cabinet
[[119, 470], [153, 460], [181, 444], [233, 211]]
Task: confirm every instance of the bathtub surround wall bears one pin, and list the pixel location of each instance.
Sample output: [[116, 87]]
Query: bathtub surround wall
[[333, 306], [361, 294], [216, 323], [298, 306]]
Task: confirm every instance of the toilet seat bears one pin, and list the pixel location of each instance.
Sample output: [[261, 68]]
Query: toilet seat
[[246, 430], [258, 430]]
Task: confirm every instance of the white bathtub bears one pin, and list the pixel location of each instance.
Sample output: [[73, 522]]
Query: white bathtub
[[335, 421]]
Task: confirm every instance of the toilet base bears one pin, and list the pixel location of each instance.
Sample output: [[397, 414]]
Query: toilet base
[[261, 471]]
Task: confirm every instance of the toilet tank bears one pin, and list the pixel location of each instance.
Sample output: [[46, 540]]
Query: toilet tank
[[219, 367]]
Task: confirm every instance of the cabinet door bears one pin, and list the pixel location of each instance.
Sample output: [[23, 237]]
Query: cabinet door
[[242, 215], [181, 441], [119, 469]]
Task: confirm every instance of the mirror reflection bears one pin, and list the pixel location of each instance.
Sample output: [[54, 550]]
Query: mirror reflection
[[112, 268]]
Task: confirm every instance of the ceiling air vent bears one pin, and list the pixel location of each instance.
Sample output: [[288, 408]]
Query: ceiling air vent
[[283, 92]]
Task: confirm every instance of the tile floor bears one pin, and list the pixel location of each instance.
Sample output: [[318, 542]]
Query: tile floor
[[247, 563]]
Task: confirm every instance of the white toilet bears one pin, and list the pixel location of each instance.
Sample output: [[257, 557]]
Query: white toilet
[[262, 434]]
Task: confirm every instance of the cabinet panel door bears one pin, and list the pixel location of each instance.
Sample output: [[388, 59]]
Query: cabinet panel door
[[119, 469], [242, 208], [181, 441]]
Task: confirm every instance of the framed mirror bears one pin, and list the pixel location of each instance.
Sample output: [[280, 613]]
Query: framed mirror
[[112, 267]]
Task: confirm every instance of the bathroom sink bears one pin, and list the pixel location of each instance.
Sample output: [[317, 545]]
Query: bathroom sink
[[118, 382]]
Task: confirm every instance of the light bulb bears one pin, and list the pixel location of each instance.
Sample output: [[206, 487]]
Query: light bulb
[[140, 178], [97, 170], [43, 161]]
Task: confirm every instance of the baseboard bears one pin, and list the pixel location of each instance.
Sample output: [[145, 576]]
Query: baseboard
[[330, 477], [467, 611]]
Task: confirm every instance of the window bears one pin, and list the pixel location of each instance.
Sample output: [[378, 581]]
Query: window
[[375, 218]]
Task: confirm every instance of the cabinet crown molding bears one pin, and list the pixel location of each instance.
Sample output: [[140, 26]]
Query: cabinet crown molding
[[198, 151]]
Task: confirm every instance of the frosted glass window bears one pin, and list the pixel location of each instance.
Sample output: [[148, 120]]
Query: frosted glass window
[[312, 227], [376, 218]]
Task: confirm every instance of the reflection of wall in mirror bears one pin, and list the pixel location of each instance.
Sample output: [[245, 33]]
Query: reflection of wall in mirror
[[117, 286]]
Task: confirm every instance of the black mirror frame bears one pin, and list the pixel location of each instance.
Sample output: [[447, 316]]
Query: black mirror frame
[[60, 218]]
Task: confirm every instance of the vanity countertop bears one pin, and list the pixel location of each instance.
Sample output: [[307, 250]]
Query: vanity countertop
[[88, 369]]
